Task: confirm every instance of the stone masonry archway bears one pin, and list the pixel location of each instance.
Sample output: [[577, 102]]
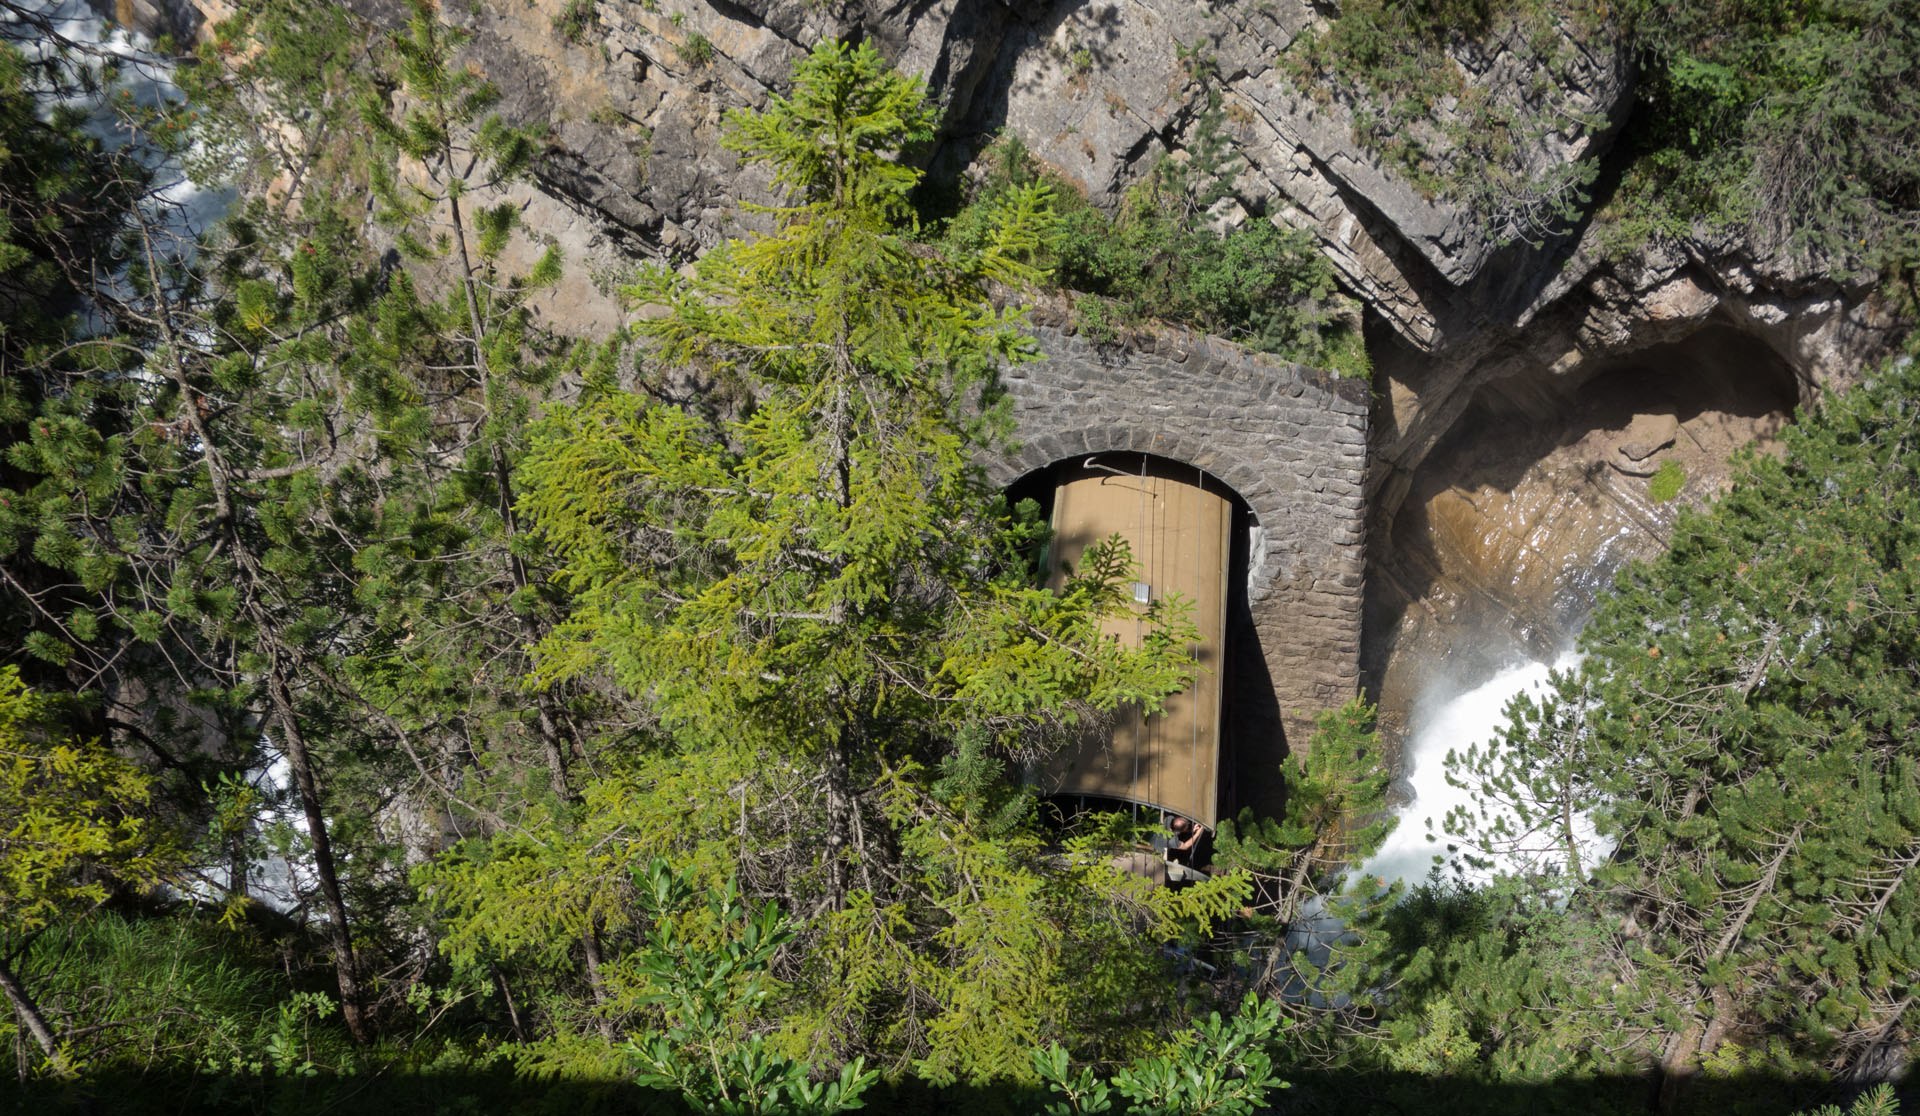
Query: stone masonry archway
[[1291, 441]]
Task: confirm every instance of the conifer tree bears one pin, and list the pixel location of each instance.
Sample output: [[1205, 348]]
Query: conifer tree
[[820, 573], [816, 600], [1323, 956], [1334, 815], [193, 458], [480, 357], [61, 202]]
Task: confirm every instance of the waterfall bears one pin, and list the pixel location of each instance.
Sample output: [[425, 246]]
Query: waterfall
[[1454, 722]]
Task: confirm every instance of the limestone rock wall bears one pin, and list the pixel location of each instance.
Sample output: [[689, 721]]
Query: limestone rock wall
[[1099, 90]]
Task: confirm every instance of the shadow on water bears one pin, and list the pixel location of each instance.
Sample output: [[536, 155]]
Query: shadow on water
[[427, 1093]]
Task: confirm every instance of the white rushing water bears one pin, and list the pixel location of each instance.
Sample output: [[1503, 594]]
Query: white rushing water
[[1456, 723], [141, 80]]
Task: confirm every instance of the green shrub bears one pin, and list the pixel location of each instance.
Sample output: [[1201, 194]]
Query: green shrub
[[1799, 122], [1226, 1068], [1796, 124], [1667, 481], [706, 984], [1160, 257], [696, 51], [575, 19]]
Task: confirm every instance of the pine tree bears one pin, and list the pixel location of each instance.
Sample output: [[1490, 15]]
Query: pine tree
[[1322, 955], [194, 460], [465, 593], [62, 199], [1334, 815]]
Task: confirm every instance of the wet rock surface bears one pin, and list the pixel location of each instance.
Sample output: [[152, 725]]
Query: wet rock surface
[[1541, 493]]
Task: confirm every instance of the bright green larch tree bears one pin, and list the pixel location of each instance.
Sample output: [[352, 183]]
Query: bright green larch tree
[[828, 572], [831, 619], [73, 828]]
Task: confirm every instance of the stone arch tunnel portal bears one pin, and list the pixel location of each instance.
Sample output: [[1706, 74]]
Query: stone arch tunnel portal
[[1275, 450]]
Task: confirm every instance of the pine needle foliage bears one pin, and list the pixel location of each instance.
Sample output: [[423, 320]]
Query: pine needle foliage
[[831, 563], [821, 601]]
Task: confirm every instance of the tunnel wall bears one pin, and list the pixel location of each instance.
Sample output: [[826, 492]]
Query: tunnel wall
[[1291, 440]]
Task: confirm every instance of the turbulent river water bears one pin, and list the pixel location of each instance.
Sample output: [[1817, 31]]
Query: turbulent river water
[[140, 80]]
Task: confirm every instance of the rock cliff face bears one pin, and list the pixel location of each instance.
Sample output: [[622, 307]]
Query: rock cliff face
[[1517, 382], [1097, 89]]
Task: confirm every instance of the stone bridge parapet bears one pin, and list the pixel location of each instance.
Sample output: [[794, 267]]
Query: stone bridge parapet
[[1290, 440]]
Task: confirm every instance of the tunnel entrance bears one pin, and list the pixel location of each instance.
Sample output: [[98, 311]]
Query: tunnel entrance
[[1190, 535]]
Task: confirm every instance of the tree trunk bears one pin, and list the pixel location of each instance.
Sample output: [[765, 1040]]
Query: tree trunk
[[506, 994], [596, 984], [255, 598], [29, 1015], [1677, 1066], [839, 827], [546, 724], [339, 931]]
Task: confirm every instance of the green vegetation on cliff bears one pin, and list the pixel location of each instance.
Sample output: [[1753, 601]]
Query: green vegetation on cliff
[[611, 750], [1794, 124], [1165, 257]]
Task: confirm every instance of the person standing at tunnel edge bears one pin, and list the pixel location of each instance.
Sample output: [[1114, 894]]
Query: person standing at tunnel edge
[[1186, 840]]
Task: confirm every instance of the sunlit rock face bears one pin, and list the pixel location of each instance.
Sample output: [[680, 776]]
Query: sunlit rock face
[[1542, 489], [634, 99]]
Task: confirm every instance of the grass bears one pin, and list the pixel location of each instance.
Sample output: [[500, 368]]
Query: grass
[[575, 20], [696, 51]]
